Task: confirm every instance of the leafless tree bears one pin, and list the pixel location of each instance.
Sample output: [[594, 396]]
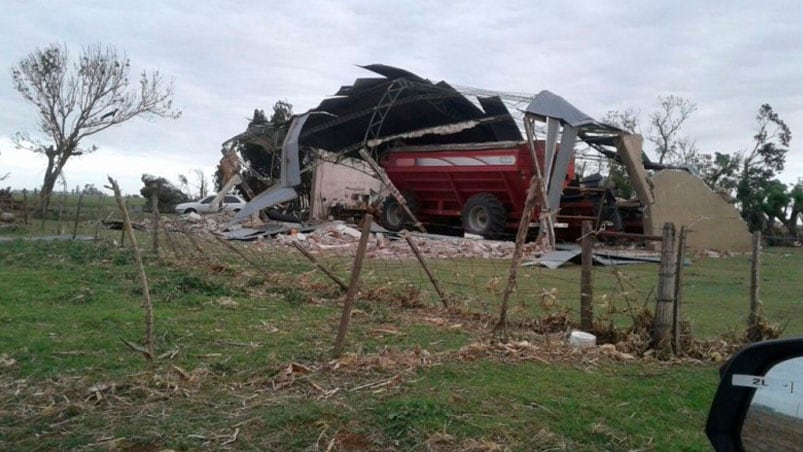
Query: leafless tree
[[203, 186], [77, 99], [665, 125], [627, 120], [184, 186]]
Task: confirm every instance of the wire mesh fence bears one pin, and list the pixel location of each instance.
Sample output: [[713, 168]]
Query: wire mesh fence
[[472, 274]]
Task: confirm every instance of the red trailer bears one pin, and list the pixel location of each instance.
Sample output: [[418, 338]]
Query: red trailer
[[480, 188]]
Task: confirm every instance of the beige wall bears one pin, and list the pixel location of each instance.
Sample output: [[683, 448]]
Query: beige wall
[[684, 199], [333, 183]]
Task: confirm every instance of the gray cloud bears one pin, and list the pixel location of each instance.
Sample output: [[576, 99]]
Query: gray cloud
[[228, 58]]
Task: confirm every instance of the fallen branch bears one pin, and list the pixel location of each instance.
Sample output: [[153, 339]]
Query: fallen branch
[[137, 348], [233, 437]]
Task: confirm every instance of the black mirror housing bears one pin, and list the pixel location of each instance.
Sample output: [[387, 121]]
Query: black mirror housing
[[731, 403]]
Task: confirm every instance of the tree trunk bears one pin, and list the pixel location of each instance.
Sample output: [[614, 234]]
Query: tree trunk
[[51, 176], [791, 223], [56, 159], [47, 186]]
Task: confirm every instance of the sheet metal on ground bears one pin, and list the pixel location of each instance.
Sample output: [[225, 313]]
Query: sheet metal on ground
[[571, 253]]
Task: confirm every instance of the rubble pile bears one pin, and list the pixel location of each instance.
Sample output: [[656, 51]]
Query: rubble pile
[[341, 239]]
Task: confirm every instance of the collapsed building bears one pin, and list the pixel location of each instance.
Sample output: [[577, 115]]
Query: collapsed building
[[424, 155]]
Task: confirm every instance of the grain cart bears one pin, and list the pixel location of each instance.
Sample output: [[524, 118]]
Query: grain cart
[[480, 189]]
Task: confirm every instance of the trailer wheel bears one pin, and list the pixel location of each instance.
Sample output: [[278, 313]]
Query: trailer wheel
[[484, 215], [394, 218]]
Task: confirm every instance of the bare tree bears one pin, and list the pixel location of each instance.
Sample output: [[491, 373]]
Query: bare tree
[[665, 125], [184, 186], [77, 99], [627, 120], [203, 186]]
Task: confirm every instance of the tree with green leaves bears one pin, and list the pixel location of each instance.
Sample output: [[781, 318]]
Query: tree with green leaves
[[78, 98], [757, 187]]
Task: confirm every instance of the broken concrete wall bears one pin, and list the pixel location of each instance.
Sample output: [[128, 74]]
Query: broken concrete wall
[[347, 183], [684, 199]]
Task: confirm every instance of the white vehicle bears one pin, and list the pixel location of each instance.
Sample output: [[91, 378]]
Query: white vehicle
[[230, 202]]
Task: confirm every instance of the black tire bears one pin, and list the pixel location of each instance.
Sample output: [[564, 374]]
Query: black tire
[[484, 214], [189, 211], [393, 216]]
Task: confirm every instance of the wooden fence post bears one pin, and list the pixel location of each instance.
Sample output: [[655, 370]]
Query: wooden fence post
[[681, 256], [77, 215], [122, 233], [586, 288], [155, 207], [666, 290], [97, 217], [319, 266], [60, 227], [42, 208], [146, 293], [521, 235], [345, 318], [25, 206], [423, 263], [755, 264]]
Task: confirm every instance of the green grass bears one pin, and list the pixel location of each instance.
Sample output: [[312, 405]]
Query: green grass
[[63, 208], [65, 305]]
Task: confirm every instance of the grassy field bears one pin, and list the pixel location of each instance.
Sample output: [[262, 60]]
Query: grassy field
[[64, 206], [245, 358]]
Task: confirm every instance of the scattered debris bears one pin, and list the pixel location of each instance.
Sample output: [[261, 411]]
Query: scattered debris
[[227, 302], [565, 253], [7, 361]]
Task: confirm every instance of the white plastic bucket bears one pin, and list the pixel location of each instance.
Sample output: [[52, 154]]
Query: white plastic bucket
[[582, 339]]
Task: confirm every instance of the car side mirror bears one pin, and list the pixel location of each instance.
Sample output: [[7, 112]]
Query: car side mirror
[[759, 403]]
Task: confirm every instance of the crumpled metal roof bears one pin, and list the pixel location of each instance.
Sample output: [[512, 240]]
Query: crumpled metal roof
[[547, 104], [399, 103]]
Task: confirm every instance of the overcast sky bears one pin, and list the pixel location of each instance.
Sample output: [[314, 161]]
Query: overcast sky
[[227, 58]]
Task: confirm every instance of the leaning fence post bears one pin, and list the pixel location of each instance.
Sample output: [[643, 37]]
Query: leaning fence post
[[679, 286], [755, 302], [666, 290], [146, 293], [521, 235], [586, 288], [423, 263], [320, 266], [345, 318]]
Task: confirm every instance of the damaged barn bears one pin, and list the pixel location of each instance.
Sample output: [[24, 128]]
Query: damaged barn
[[441, 161]]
